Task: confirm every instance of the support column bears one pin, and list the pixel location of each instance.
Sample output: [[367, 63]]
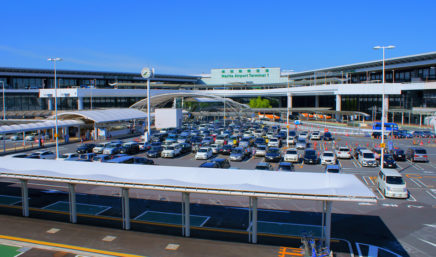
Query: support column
[[186, 215], [328, 223], [72, 202], [289, 101], [79, 103], [50, 103], [253, 221], [402, 118], [125, 208], [316, 101], [24, 198], [338, 105]]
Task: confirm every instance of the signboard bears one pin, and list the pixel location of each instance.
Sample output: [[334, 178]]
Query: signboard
[[297, 122], [245, 76], [382, 145], [390, 145], [326, 130]]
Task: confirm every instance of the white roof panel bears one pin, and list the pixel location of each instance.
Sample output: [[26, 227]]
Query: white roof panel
[[109, 115], [47, 124], [292, 185]]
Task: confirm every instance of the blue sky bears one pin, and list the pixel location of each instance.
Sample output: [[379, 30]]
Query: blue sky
[[191, 37]]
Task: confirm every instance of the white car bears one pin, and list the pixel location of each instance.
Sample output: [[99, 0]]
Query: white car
[[171, 151], [99, 148], [303, 135], [44, 154], [301, 144], [328, 157], [343, 153], [316, 135], [274, 142], [203, 153], [69, 157], [216, 148], [260, 151], [291, 155]]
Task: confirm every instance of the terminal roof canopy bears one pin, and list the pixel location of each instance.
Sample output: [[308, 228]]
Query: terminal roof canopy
[[285, 185], [48, 124], [103, 116]]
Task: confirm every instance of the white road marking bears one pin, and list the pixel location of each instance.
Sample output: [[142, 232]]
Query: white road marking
[[425, 241], [390, 205], [366, 204], [416, 183], [366, 178], [430, 225], [415, 206], [431, 194], [411, 198]]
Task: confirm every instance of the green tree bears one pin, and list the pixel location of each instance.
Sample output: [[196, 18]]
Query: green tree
[[259, 103]]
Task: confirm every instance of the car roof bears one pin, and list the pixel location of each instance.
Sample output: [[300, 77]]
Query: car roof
[[333, 167], [391, 172]]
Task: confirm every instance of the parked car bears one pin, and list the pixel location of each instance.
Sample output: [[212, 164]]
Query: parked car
[[367, 159], [301, 144], [260, 151], [216, 148], [343, 152], [328, 157], [130, 148], [203, 153], [328, 136], [102, 158], [310, 157], [316, 135], [291, 155], [69, 157], [186, 148], [227, 149], [87, 157], [273, 155], [112, 148], [42, 155], [263, 166], [398, 154], [238, 154], [274, 142], [285, 166], [389, 162], [219, 163], [171, 151], [391, 184], [85, 148], [417, 154], [98, 149], [154, 152]]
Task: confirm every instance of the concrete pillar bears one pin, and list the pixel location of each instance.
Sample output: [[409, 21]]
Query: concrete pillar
[[79, 103], [186, 215], [289, 101], [24, 198], [402, 118], [50, 104], [72, 202], [253, 221], [316, 101], [338, 106], [125, 208], [328, 223]]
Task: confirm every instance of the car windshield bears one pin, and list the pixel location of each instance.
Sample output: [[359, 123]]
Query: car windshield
[[328, 154], [237, 151], [333, 170], [327, 134], [169, 148], [112, 145], [273, 140], [394, 180], [310, 153], [420, 151], [400, 152], [368, 155], [291, 152], [344, 149], [301, 141], [285, 167], [64, 156], [261, 148], [202, 150], [274, 150]]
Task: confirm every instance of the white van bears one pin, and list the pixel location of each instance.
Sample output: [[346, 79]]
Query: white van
[[391, 184], [367, 159]]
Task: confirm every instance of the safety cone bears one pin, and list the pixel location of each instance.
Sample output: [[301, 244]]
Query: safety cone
[[367, 145], [421, 144]]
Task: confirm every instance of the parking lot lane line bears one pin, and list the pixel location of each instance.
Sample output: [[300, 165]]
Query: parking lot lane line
[[366, 179], [416, 183], [431, 194], [64, 246], [411, 198], [382, 197]]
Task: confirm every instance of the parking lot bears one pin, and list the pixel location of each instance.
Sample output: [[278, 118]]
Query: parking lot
[[404, 227]]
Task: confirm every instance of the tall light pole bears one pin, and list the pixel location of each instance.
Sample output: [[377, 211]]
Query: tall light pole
[[4, 100], [54, 60], [383, 104], [147, 73]]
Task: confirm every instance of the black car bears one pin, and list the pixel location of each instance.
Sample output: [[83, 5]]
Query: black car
[[85, 148], [398, 154], [310, 157], [130, 148], [186, 148], [389, 162], [142, 161], [209, 164], [222, 163], [227, 149], [154, 152], [377, 135], [273, 155], [285, 166], [328, 136]]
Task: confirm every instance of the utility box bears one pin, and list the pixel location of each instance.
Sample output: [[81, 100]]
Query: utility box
[[168, 118]]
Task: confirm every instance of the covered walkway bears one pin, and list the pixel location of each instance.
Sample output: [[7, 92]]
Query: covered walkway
[[322, 187]]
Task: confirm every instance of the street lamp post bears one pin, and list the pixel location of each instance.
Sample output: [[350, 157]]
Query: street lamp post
[[54, 60], [383, 103], [4, 100]]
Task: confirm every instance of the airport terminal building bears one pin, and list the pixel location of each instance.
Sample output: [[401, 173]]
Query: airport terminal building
[[410, 87]]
